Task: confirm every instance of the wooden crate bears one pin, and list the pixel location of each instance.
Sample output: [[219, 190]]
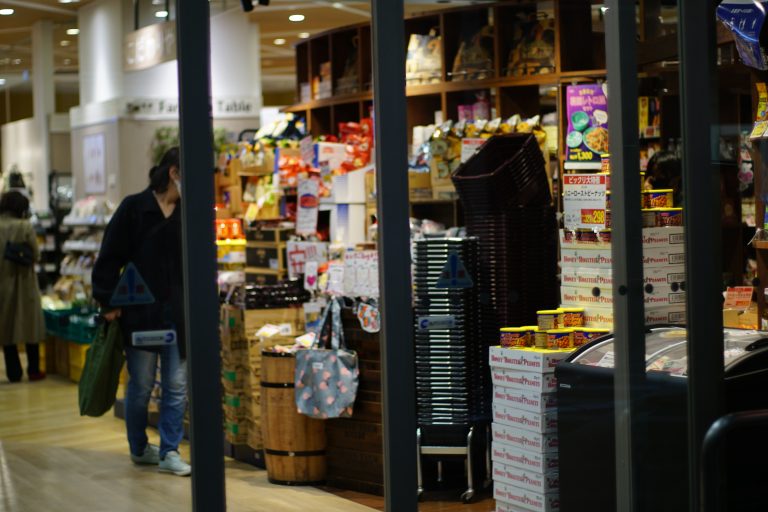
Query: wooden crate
[[265, 256], [255, 319]]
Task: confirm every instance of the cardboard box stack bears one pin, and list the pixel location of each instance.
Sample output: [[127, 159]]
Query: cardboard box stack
[[235, 379], [587, 280], [524, 429]]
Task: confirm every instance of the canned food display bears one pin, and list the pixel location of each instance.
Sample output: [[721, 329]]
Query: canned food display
[[559, 339], [540, 339], [605, 236], [548, 319], [583, 335], [662, 198], [514, 337], [669, 217], [573, 317], [586, 235], [531, 331], [649, 218], [605, 163]]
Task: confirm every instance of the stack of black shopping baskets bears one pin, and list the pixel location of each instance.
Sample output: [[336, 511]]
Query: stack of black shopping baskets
[[507, 203], [511, 256], [450, 382]]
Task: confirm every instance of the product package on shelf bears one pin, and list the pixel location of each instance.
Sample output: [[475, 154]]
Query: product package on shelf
[[524, 448]]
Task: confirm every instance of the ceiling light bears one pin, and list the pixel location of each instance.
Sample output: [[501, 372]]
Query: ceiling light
[[2, 81], [161, 14], [6, 12], [303, 35], [17, 61], [338, 5], [73, 31], [279, 41], [68, 1], [296, 17], [65, 42]]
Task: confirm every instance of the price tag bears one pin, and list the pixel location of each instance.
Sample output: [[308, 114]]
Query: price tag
[[738, 297], [307, 149], [584, 200], [469, 146]]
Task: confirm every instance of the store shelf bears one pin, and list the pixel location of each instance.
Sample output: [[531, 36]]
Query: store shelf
[[330, 102], [76, 246], [434, 201], [761, 245], [86, 222]]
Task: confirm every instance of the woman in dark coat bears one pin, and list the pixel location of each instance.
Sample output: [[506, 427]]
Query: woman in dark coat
[[137, 280], [21, 315]]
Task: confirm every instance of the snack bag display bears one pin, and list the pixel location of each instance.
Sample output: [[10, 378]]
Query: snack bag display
[[423, 64], [533, 46], [746, 20]]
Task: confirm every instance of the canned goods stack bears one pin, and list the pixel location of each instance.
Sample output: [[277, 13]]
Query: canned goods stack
[[506, 198], [524, 448]]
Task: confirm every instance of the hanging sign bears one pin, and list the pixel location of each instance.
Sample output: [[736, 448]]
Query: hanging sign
[[149, 46], [584, 201], [587, 136], [454, 274], [310, 276], [131, 290], [307, 149], [300, 253], [308, 207], [738, 297]]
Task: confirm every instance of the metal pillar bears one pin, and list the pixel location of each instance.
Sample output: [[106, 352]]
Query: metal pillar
[[629, 308], [199, 248], [701, 186], [398, 381]]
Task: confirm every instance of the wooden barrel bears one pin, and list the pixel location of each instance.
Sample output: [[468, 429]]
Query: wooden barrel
[[294, 444]]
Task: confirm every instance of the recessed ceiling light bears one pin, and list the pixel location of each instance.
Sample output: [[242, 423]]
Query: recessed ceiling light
[[17, 61], [161, 14], [2, 81], [73, 31], [279, 41], [338, 5], [296, 17], [64, 42], [68, 1], [6, 12], [303, 35]]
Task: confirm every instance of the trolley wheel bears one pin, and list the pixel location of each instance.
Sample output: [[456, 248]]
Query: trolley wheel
[[468, 496]]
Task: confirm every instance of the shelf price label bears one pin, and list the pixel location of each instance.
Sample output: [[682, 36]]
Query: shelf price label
[[593, 217], [584, 200]]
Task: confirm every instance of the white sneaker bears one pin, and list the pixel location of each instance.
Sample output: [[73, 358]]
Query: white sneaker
[[172, 463], [150, 457]]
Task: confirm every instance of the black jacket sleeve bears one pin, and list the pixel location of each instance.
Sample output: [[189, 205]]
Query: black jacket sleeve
[[114, 254]]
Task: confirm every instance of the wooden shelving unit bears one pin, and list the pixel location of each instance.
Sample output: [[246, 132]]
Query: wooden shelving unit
[[573, 62]]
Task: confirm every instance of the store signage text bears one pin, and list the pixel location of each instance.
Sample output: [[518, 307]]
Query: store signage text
[[169, 107], [149, 46]]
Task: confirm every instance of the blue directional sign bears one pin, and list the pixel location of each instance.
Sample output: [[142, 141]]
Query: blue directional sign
[[454, 274], [131, 290]]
